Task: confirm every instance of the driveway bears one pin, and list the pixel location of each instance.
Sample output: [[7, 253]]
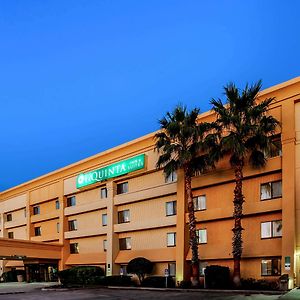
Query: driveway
[[33, 291]]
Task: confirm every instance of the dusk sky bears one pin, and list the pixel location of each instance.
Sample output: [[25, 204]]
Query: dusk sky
[[79, 77]]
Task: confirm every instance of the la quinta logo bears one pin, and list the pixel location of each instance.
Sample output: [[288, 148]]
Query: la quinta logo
[[120, 168]]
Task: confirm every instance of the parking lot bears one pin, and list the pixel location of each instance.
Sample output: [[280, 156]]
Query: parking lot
[[34, 291]]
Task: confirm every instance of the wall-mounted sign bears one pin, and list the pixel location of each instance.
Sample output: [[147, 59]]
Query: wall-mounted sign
[[120, 168]]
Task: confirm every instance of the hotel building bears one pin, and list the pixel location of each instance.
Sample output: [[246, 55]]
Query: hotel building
[[114, 206]]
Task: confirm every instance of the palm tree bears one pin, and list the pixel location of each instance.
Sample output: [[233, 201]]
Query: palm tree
[[180, 142], [244, 130]]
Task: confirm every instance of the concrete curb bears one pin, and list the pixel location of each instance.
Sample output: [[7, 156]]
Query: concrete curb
[[200, 290], [247, 292]]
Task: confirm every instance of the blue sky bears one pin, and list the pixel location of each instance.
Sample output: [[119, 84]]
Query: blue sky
[[78, 77]]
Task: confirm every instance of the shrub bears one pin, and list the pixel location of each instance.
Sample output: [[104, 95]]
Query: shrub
[[11, 276], [217, 277], [260, 284], [185, 284], [117, 280], [158, 282], [140, 266], [82, 275]]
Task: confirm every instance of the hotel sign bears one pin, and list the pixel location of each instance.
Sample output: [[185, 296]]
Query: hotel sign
[[120, 168]]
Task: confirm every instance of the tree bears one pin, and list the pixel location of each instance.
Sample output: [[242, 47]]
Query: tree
[[244, 131], [140, 266], [181, 144]]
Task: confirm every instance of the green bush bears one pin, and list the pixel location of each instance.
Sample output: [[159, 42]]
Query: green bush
[[260, 284], [11, 276], [81, 275], [158, 282], [140, 266], [117, 280], [217, 277]]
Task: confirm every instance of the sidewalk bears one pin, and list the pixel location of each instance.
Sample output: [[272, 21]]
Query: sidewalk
[[294, 294], [22, 287]]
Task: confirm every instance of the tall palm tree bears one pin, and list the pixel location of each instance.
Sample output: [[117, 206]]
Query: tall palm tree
[[180, 143], [244, 131]]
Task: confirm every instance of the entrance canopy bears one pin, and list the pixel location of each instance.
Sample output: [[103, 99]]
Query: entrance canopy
[[12, 249]]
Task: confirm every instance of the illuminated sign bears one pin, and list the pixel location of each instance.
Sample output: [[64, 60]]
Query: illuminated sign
[[117, 169]]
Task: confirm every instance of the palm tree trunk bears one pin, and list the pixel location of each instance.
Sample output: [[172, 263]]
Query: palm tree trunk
[[237, 242], [192, 227]]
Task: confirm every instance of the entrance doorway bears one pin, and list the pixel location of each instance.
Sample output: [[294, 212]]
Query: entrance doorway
[[41, 271]]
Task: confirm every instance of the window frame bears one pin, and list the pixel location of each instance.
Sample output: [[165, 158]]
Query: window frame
[[272, 266], [105, 192], [271, 183], [172, 265], [121, 218], [10, 217], [123, 269], [71, 201], [74, 248], [57, 204], [174, 208], [123, 241], [104, 217], [174, 239], [271, 231], [172, 177], [277, 151], [198, 197], [36, 210], [37, 231], [72, 225], [120, 188], [198, 236]]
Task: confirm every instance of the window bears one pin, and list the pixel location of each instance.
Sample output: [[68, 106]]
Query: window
[[57, 204], [25, 213], [270, 190], [276, 149], [199, 202], [103, 193], [171, 239], [172, 177], [104, 219], [172, 269], [171, 208], [123, 216], [9, 217], [123, 269], [271, 229], [71, 201], [72, 225], [104, 245], [201, 236], [122, 188], [36, 210], [37, 231], [202, 267], [74, 248], [10, 235], [125, 243], [271, 267], [57, 227]]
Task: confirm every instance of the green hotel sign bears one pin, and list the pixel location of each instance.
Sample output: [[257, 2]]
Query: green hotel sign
[[120, 168]]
